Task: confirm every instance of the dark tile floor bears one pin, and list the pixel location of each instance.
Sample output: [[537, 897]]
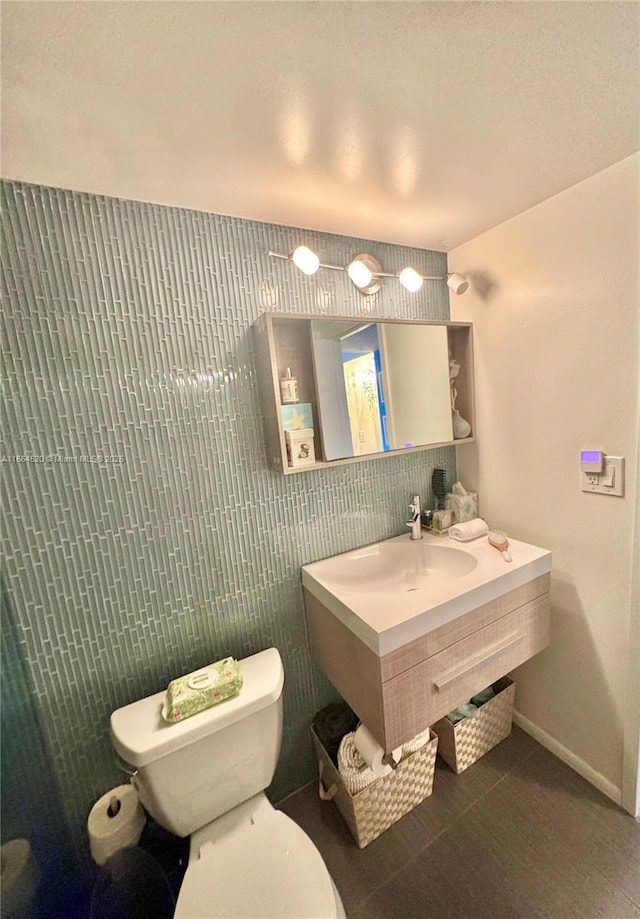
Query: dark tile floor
[[519, 834]]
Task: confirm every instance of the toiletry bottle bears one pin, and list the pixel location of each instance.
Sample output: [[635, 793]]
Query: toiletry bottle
[[288, 387], [442, 521], [426, 519]]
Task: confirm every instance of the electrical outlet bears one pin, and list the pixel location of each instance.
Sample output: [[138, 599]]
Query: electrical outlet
[[609, 482]]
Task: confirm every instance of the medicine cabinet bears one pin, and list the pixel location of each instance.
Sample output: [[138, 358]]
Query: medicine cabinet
[[365, 387]]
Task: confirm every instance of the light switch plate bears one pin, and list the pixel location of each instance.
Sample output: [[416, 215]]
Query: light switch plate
[[609, 482]]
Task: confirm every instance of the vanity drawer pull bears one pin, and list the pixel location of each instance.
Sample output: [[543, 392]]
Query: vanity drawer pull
[[454, 675]]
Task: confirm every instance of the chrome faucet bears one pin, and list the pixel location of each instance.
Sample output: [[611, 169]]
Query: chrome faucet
[[414, 523]]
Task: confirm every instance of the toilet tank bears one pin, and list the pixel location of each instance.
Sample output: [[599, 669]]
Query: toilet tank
[[191, 772]]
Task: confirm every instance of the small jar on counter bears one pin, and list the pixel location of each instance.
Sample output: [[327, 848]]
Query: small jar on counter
[[442, 522]]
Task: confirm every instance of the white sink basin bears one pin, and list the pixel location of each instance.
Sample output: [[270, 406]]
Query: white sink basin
[[393, 566], [397, 590]]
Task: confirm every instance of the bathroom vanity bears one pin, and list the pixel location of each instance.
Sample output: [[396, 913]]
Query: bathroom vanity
[[406, 630]]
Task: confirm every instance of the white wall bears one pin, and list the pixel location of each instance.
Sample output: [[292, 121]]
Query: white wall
[[554, 302]]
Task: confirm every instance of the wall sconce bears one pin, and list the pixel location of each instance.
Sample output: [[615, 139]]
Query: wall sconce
[[457, 283], [366, 272], [304, 259], [410, 279]]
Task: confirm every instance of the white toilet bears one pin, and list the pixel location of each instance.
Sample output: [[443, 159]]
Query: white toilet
[[205, 777]]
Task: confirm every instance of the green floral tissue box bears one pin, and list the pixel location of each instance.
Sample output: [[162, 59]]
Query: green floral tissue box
[[201, 689]]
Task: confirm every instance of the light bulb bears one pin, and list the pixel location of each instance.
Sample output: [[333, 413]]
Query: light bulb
[[457, 283], [306, 260], [359, 273], [410, 279]]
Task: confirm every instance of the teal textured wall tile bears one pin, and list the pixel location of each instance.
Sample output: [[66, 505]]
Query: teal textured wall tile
[[31, 803], [127, 329]]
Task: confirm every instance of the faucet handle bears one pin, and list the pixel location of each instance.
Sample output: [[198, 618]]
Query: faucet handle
[[415, 504]]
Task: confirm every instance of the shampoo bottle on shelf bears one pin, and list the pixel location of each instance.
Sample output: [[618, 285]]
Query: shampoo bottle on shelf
[[288, 387]]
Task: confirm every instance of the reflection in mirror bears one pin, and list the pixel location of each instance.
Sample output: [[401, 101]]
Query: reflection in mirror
[[380, 386]]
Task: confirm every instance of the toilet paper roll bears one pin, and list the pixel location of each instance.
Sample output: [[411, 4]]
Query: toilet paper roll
[[116, 822], [372, 753]]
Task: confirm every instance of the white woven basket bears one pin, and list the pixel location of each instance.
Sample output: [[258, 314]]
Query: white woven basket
[[462, 744], [374, 809]]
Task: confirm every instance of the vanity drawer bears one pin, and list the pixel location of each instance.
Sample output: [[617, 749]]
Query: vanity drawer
[[395, 663], [420, 696]]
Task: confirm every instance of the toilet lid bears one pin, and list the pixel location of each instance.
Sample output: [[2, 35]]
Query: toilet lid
[[269, 870]]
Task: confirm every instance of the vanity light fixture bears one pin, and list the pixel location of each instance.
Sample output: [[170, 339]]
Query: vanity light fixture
[[359, 273], [366, 272], [457, 283], [410, 279], [306, 260]]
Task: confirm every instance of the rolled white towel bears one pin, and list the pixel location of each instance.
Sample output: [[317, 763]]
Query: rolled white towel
[[355, 773], [472, 529], [411, 746]]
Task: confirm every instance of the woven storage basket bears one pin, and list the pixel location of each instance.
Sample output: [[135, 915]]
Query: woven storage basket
[[463, 743], [374, 809]]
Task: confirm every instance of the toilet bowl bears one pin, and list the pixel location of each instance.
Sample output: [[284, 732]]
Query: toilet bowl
[[256, 863], [205, 778]]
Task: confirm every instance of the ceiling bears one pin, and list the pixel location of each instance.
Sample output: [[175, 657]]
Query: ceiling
[[423, 123]]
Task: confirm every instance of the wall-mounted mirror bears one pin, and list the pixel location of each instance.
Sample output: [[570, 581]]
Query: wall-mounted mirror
[[380, 386], [365, 387]]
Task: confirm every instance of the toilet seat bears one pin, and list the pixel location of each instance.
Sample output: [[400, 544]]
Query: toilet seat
[[270, 869]]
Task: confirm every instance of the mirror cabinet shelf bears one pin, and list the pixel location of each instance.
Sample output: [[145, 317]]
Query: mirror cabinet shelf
[[361, 388]]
